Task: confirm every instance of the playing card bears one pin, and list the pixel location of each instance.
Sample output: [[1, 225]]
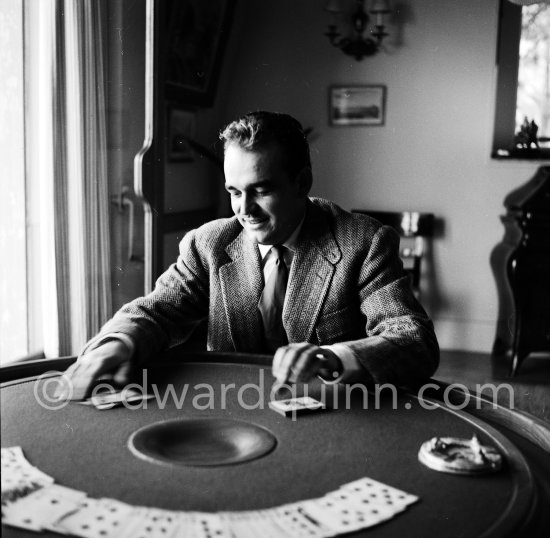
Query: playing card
[[249, 524], [41, 509], [367, 490], [239, 524], [264, 523], [208, 525], [109, 400], [186, 526], [10, 455], [294, 406], [152, 523], [266, 526], [98, 518], [19, 477], [338, 513], [286, 520], [13, 461], [295, 522]]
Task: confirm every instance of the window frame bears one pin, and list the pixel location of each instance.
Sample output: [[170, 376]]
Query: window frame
[[507, 64]]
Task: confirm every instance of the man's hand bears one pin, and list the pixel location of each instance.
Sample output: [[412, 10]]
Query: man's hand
[[112, 357], [302, 362]]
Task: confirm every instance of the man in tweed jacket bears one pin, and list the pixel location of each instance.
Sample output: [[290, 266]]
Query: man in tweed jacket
[[349, 313]]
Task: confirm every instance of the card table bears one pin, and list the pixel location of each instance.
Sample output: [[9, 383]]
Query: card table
[[378, 437]]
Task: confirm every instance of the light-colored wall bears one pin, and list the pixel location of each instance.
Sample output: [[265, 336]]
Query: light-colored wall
[[432, 154]]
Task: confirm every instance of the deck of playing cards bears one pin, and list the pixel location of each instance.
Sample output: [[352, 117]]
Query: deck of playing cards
[[107, 399], [294, 406], [41, 505]]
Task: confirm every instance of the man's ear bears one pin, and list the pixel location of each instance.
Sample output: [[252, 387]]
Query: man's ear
[[304, 180]]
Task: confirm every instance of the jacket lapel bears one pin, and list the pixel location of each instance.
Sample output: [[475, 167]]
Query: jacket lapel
[[241, 284], [309, 281]]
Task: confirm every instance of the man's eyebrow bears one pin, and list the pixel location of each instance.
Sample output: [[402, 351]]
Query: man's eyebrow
[[257, 185], [262, 184]]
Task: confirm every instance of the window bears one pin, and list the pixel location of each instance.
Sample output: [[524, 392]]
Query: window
[[523, 84], [13, 244], [533, 99], [54, 235]]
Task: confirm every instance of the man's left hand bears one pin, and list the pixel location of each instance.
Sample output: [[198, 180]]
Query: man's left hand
[[300, 362]]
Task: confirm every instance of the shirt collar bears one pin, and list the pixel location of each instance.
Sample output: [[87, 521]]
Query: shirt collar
[[290, 243]]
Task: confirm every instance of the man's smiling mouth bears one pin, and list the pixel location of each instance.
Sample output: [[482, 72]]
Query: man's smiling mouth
[[255, 221]]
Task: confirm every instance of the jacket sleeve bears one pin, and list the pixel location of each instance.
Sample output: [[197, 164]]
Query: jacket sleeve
[[400, 345], [169, 314]]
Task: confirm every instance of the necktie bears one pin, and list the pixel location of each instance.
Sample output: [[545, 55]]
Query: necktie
[[272, 301]]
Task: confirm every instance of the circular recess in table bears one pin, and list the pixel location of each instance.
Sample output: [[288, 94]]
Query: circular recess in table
[[201, 442]]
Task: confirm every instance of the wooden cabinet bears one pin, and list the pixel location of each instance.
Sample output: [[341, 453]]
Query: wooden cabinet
[[521, 265]]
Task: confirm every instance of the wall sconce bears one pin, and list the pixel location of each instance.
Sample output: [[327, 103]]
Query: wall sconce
[[359, 46]]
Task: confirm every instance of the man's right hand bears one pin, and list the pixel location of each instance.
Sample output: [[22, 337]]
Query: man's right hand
[[111, 358]]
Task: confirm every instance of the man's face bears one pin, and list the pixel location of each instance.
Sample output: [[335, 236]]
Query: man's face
[[267, 201]]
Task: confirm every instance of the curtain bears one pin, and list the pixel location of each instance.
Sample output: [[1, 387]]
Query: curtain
[[77, 283]]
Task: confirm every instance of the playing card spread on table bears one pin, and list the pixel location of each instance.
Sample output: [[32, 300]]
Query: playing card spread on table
[[358, 505], [295, 522], [266, 524], [249, 524], [238, 524], [341, 518], [42, 509], [294, 406], [155, 522], [366, 489], [50, 507], [98, 518], [208, 525], [19, 477]]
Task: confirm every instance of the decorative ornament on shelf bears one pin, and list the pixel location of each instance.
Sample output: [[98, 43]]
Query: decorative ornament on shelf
[[358, 45], [526, 137]]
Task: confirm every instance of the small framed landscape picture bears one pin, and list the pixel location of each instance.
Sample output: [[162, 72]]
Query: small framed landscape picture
[[357, 105]]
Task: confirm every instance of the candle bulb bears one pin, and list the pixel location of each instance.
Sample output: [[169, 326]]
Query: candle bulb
[[334, 7], [380, 6]]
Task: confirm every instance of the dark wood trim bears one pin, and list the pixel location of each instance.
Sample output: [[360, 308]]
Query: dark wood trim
[[524, 495], [28, 369], [524, 424], [34, 368]]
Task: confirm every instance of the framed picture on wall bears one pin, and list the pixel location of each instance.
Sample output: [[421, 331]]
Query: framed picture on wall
[[357, 105], [195, 37]]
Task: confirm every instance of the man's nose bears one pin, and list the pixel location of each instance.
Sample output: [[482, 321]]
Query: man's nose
[[247, 204]]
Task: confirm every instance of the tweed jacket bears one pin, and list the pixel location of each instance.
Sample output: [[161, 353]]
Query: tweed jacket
[[346, 285]]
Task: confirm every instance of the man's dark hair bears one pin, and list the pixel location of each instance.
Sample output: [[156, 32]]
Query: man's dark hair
[[257, 130]]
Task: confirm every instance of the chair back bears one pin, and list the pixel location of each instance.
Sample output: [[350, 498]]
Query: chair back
[[413, 228]]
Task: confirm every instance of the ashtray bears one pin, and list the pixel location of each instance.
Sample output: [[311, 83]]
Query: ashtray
[[459, 456]]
